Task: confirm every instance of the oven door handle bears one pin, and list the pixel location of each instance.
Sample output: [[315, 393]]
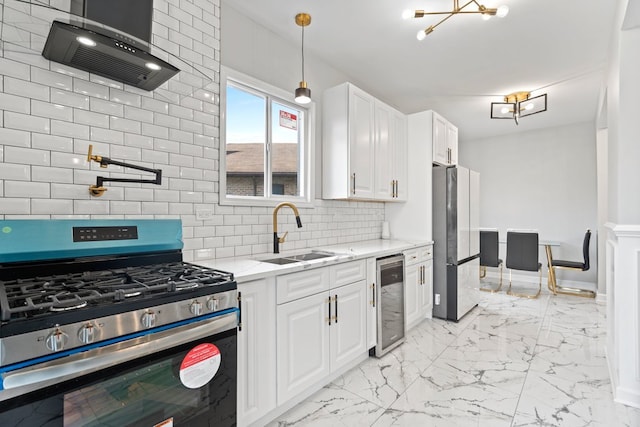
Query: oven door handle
[[79, 364]]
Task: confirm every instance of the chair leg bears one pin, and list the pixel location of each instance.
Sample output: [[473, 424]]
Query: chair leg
[[491, 289], [483, 271], [565, 290], [530, 296], [551, 276]]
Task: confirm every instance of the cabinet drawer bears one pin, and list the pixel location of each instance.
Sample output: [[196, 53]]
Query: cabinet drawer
[[420, 254], [348, 272], [301, 284]]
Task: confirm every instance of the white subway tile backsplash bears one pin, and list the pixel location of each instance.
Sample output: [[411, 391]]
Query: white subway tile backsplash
[[190, 197], [107, 135], [180, 208], [69, 129], [51, 206], [178, 135], [125, 153], [106, 107], [51, 78], [204, 140], [13, 68], [158, 158], [27, 156], [125, 125], [180, 184], [206, 164], [140, 194], [69, 191], [10, 171], [166, 120], [16, 103], [180, 160], [15, 206], [90, 118], [69, 160], [122, 207], [170, 171], [151, 104], [70, 99], [51, 111], [155, 131], [92, 207], [180, 39], [191, 127], [81, 146], [191, 173], [38, 190], [106, 82], [166, 195], [26, 88], [138, 114], [126, 98], [51, 142], [51, 174], [163, 144], [140, 141], [15, 137], [68, 71], [26, 122], [155, 208], [94, 90]]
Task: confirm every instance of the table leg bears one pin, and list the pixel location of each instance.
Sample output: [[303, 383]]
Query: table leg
[[551, 277]]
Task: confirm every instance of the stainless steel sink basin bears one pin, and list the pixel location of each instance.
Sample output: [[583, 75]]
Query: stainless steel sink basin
[[310, 255], [280, 261], [297, 258]]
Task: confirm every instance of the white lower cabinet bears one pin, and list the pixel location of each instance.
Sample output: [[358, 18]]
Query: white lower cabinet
[[256, 350], [320, 333], [418, 285]]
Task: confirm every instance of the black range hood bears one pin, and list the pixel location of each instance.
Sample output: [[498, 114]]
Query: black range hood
[[107, 54]]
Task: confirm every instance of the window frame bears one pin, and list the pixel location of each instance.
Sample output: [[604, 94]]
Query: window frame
[[278, 95]]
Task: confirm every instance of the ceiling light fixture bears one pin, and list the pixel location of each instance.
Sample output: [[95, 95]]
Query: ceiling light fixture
[[517, 105], [486, 12], [303, 93]]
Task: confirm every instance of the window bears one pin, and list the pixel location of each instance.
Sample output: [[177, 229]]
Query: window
[[266, 142]]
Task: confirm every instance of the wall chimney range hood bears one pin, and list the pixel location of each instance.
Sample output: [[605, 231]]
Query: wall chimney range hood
[[106, 53]]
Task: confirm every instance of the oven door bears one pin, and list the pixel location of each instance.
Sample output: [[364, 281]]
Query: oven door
[[179, 376]]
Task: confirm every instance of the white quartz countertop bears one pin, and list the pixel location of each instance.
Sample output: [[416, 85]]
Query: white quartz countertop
[[251, 268]]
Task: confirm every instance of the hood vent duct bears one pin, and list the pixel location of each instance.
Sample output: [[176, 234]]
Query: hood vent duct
[[107, 54]]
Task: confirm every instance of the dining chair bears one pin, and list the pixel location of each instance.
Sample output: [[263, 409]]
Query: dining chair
[[489, 256], [570, 265], [522, 254]]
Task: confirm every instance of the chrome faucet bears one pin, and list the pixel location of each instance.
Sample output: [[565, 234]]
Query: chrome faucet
[[277, 240]]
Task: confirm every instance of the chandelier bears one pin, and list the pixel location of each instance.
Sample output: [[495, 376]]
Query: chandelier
[[486, 12], [517, 105]]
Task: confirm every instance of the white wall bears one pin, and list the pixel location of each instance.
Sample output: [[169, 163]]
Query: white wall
[[544, 180], [49, 114]]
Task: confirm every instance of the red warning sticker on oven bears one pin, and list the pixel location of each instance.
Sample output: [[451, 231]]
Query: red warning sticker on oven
[[200, 365]]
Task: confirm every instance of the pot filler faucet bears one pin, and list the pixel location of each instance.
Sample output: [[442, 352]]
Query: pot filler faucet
[[277, 240]]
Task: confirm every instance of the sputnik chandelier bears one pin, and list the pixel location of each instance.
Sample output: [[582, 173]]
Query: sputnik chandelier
[[486, 12]]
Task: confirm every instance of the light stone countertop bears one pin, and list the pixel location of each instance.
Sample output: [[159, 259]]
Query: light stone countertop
[[245, 269]]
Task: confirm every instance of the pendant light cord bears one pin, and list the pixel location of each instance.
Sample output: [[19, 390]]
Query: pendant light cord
[[303, 53]]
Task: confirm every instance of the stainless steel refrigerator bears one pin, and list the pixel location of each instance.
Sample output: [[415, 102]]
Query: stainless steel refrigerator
[[456, 235]]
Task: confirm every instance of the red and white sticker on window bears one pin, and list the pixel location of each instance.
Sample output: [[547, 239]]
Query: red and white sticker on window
[[200, 365], [288, 120]]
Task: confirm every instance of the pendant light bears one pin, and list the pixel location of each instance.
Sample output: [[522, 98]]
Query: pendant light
[[303, 93]]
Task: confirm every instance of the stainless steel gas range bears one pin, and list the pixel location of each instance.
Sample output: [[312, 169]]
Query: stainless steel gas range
[[102, 323]]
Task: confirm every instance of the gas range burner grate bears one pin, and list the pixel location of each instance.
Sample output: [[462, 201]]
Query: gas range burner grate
[[23, 298]]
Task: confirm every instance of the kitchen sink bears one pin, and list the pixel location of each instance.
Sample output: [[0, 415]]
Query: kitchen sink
[[297, 258]]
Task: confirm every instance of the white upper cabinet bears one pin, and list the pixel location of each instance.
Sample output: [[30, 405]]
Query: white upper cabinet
[[445, 141], [364, 147]]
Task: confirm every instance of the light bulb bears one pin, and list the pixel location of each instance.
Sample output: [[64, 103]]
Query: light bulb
[[486, 16], [421, 35], [502, 11], [408, 14], [504, 110], [152, 66], [529, 106], [86, 41]]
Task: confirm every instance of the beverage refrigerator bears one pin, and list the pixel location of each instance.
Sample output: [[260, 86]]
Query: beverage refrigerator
[[456, 252]]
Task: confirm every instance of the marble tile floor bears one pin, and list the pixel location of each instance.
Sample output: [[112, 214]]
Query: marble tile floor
[[510, 362]]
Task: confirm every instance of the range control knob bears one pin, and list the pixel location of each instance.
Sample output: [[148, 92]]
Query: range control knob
[[56, 340], [196, 308], [212, 304], [87, 333], [148, 319]]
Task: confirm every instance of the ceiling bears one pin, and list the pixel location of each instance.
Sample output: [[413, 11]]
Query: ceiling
[[543, 46]]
